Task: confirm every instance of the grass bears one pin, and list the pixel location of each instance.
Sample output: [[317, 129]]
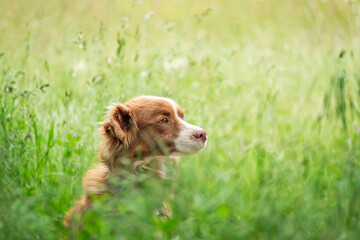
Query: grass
[[275, 83]]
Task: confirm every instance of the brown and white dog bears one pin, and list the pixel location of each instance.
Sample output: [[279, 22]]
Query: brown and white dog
[[138, 133]]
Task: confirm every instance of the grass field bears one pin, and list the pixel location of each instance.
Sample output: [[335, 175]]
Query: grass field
[[275, 83]]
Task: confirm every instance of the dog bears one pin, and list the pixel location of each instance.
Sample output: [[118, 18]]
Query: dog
[[142, 132]]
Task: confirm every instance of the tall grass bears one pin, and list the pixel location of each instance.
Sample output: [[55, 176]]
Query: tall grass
[[275, 83]]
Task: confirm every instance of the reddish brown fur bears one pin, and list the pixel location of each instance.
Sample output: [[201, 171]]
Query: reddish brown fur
[[129, 137]]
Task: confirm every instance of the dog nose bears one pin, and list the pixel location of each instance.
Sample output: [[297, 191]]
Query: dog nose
[[201, 134]]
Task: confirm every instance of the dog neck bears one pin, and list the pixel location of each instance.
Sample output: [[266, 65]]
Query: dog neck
[[130, 161]]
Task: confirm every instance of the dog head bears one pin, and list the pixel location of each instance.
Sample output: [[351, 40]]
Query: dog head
[[150, 126]]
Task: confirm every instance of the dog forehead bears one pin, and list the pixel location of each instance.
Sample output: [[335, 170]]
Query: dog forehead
[[153, 103]]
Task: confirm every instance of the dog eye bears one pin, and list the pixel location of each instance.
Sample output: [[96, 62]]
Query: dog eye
[[165, 120]]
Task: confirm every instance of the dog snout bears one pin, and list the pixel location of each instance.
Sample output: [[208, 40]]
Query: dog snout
[[201, 135]]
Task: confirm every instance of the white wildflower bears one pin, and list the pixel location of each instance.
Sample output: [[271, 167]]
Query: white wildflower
[[148, 15], [143, 75], [125, 22], [176, 65], [80, 66], [169, 26], [109, 60]]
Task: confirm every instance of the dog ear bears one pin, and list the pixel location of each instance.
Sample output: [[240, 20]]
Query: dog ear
[[120, 124]]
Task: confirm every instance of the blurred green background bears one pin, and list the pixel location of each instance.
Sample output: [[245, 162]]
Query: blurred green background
[[275, 83]]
